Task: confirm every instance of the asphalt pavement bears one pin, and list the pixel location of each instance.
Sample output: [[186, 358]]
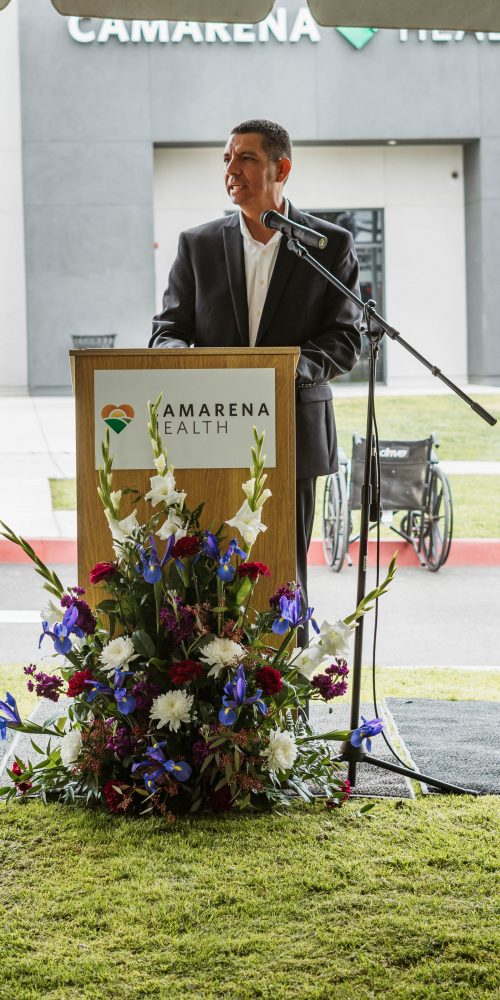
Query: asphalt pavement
[[449, 618]]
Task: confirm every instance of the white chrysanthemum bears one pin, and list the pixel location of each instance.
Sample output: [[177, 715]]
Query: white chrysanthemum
[[221, 654], [248, 522], [172, 526], [171, 709], [163, 491], [281, 752], [52, 614], [71, 744], [335, 638], [120, 530], [117, 654], [248, 489]]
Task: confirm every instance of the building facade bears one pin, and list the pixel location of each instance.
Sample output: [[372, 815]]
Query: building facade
[[111, 137]]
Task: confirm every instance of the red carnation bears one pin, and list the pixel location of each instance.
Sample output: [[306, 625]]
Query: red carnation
[[184, 671], [344, 793], [102, 571], [187, 546], [76, 683], [253, 570], [22, 786], [269, 679], [114, 795], [221, 800]]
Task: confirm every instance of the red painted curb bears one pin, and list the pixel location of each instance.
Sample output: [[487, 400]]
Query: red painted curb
[[49, 550], [463, 552]]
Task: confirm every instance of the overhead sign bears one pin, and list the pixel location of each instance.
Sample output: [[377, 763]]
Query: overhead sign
[[278, 26], [205, 417]]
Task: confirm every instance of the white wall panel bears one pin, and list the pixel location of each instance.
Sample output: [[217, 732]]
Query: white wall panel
[[13, 342], [424, 230]]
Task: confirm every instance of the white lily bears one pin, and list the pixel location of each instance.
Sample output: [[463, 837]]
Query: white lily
[[248, 522]]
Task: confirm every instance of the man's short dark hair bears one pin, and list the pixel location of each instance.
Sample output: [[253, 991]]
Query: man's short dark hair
[[275, 139]]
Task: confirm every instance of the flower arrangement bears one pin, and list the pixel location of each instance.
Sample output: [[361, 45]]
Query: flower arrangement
[[180, 696]]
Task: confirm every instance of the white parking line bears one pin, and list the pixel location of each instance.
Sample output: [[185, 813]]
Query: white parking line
[[16, 617]]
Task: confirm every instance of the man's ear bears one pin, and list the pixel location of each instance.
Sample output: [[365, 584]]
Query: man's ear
[[284, 168]]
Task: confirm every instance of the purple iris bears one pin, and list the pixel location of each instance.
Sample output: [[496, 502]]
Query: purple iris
[[152, 565], [210, 545], [61, 631], [234, 698], [11, 716], [125, 701], [290, 616], [364, 732], [226, 571], [179, 769]]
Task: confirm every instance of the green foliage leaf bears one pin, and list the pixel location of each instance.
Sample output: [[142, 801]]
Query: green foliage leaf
[[143, 644]]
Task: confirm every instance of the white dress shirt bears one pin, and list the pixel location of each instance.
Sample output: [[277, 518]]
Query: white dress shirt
[[260, 259]]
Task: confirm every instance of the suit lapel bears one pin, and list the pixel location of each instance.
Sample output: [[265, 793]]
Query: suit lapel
[[285, 263], [235, 263]]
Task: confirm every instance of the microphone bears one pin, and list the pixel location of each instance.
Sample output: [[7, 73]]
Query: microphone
[[293, 230]]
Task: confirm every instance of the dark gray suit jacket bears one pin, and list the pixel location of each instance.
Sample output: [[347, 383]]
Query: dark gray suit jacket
[[205, 304]]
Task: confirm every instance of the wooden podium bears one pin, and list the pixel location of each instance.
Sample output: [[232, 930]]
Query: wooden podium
[[219, 488]]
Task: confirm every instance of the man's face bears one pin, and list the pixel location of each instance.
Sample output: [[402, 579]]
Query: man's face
[[253, 181]]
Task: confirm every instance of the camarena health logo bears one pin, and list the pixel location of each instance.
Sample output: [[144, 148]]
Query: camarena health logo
[[358, 37], [117, 417]]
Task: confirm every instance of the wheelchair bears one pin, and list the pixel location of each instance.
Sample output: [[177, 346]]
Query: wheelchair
[[411, 482]]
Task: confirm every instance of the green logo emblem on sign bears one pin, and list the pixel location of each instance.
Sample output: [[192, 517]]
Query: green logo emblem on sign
[[358, 37]]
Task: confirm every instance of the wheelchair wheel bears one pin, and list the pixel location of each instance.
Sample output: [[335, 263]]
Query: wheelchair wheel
[[436, 527], [335, 520]]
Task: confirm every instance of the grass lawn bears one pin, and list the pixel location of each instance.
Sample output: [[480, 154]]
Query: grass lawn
[[463, 435], [476, 509], [310, 905]]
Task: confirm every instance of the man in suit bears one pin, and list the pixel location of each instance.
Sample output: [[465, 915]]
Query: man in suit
[[235, 283]]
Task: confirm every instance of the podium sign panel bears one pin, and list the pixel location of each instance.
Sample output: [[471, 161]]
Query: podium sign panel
[[264, 376], [205, 417]]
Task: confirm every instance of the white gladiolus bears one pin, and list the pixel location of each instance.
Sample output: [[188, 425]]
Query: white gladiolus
[[116, 498], [120, 530], [248, 523], [160, 464], [172, 709], [163, 491], [248, 489], [172, 526], [335, 638], [221, 654], [282, 751], [52, 614], [71, 744], [309, 661], [117, 654]]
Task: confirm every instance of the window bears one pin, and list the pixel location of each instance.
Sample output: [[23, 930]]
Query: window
[[367, 228]]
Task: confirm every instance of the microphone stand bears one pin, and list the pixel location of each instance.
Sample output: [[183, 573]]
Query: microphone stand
[[371, 512]]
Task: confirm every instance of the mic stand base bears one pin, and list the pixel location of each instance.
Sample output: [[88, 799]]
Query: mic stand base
[[356, 755]]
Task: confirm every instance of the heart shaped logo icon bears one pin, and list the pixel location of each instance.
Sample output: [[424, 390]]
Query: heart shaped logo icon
[[117, 417]]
